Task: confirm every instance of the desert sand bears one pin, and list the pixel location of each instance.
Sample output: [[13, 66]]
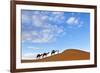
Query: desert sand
[[66, 55]]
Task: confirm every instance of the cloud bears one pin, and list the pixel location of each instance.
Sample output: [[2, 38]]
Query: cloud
[[26, 36], [26, 19], [72, 21], [44, 17], [81, 24], [57, 17], [58, 13], [29, 56], [47, 34], [40, 18], [37, 21], [42, 29], [33, 48]]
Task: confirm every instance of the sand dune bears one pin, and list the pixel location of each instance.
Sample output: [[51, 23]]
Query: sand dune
[[70, 54]]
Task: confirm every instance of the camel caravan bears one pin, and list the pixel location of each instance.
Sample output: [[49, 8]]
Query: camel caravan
[[43, 55]]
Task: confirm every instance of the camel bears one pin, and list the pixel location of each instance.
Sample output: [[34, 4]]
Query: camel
[[54, 51], [38, 55], [45, 54]]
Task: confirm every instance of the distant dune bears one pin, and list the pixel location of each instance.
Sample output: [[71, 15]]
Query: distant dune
[[70, 54]]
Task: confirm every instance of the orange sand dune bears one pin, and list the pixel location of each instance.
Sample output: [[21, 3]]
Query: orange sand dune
[[70, 54]]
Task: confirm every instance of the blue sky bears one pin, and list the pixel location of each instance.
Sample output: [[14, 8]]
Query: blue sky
[[43, 31]]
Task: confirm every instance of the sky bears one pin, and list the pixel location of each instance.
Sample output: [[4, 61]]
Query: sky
[[44, 31]]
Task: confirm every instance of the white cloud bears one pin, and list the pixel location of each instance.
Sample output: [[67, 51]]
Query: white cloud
[[28, 56], [34, 33], [33, 48], [25, 19], [44, 30], [44, 17], [36, 12], [72, 21], [57, 17], [81, 24], [60, 31], [36, 21], [26, 36], [46, 34], [58, 13]]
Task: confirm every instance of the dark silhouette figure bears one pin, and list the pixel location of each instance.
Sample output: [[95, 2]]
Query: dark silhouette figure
[[54, 51], [45, 54], [38, 55]]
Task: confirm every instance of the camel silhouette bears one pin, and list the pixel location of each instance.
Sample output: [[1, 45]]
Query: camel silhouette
[[54, 51], [38, 55], [45, 54]]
